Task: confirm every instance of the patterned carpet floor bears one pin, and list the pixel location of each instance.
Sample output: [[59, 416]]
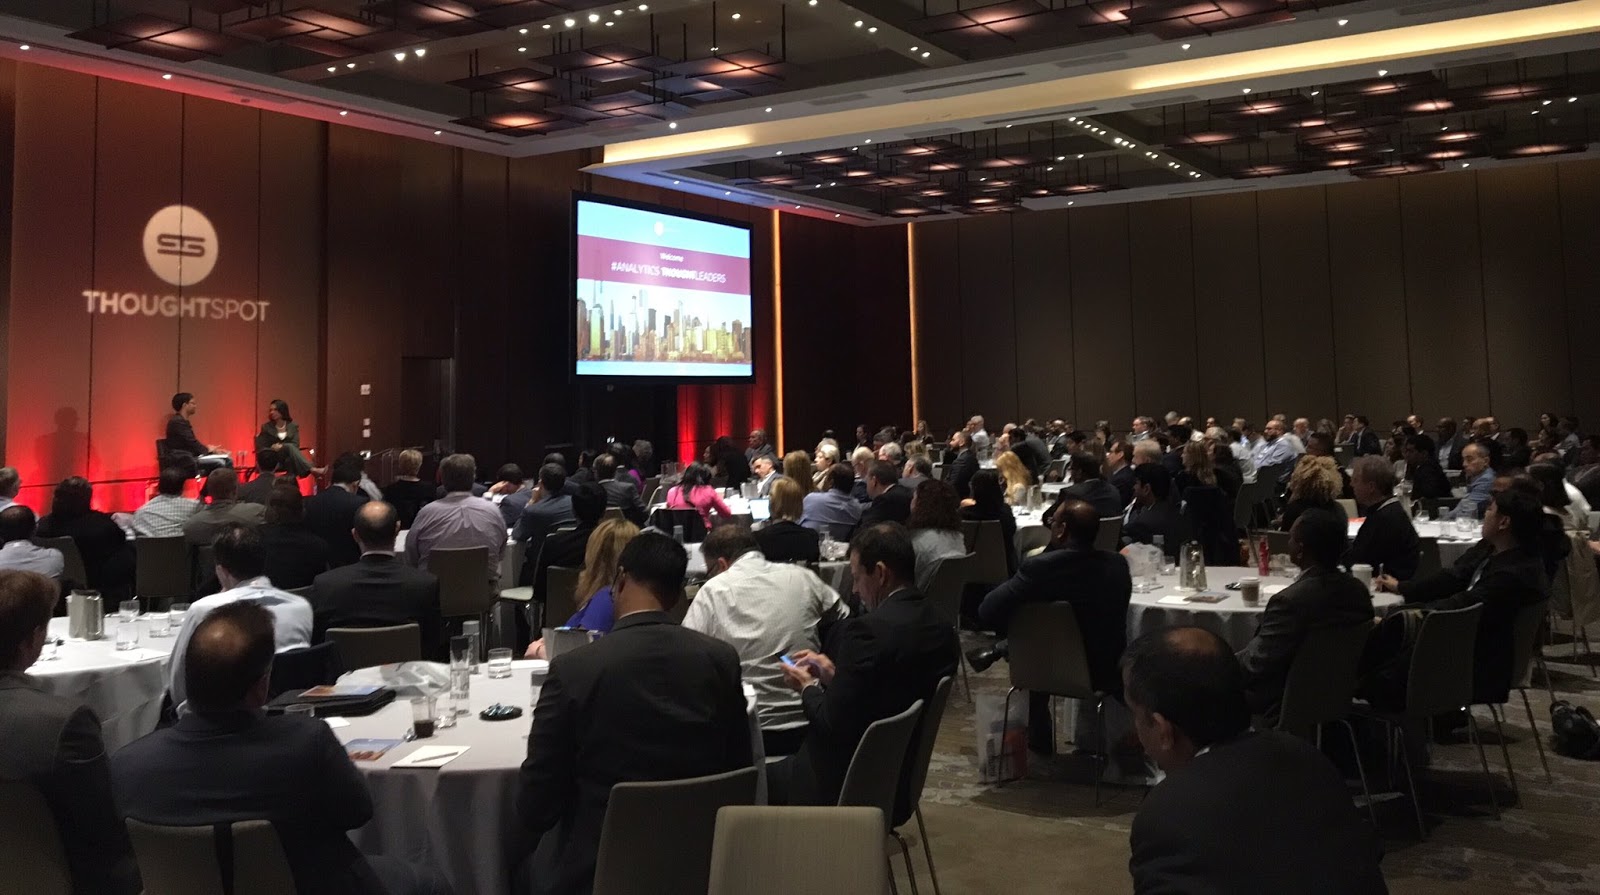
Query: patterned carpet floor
[[1045, 834]]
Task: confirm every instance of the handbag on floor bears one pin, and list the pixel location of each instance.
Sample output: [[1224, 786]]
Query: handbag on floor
[[1574, 732]]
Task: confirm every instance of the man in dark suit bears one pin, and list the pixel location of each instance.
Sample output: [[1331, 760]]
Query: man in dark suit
[[964, 466], [1228, 789], [1119, 471], [1322, 597], [550, 509], [332, 513], [258, 489], [607, 714], [889, 502], [1428, 481], [54, 743], [1031, 450], [873, 666], [1387, 540], [378, 590], [620, 490], [183, 448], [1363, 441], [1153, 512], [1089, 487], [565, 548], [1095, 582], [1448, 443], [225, 761]]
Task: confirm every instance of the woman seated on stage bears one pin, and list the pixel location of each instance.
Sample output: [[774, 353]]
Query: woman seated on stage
[[282, 434]]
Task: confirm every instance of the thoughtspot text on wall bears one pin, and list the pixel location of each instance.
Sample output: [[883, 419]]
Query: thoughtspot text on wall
[[181, 247]]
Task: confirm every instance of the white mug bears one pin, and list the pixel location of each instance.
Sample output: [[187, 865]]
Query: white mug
[[1362, 573]]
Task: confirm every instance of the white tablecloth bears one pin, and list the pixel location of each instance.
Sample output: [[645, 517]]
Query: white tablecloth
[[1452, 542], [461, 818], [1231, 618], [123, 688]]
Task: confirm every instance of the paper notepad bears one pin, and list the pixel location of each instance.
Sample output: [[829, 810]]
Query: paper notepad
[[431, 757], [337, 723], [1174, 601]]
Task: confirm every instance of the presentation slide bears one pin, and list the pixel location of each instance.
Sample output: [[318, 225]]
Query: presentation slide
[[660, 294]]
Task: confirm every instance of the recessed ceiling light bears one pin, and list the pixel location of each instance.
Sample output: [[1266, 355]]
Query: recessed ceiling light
[[1382, 72], [797, 208], [437, 133], [1343, 22], [1186, 46], [855, 149], [609, 24], [868, 140], [1315, 92], [570, 22], [859, 23], [714, 49], [420, 52], [727, 192], [1534, 112], [1069, 203], [1247, 90], [835, 215], [914, 49], [333, 68], [735, 17], [1050, 168], [982, 179], [547, 26], [26, 47], [1547, 102], [399, 57], [522, 31], [616, 12], [769, 109], [833, 184], [1572, 99], [676, 182], [343, 112], [873, 30], [522, 49], [349, 65], [1008, 127], [167, 76], [594, 17], [812, 3], [1080, 155], [643, 7], [926, 54], [779, 152]]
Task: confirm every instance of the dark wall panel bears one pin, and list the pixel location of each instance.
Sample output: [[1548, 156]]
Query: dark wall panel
[[1102, 323], [940, 358], [1444, 312], [484, 244], [1579, 184], [1043, 307], [1227, 298], [1368, 290], [1164, 360], [988, 326], [1297, 309]]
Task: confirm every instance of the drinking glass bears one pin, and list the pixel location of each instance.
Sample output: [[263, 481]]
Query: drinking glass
[[301, 708], [460, 692], [461, 651], [160, 624], [422, 720], [499, 664], [127, 635], [175, 615], [470, 628], [128, 610]]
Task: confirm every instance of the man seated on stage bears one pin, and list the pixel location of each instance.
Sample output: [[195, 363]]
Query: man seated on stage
[[181, 438]]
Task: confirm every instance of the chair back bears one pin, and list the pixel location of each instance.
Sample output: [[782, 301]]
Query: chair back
[[1322, 678], [1030, 538], [1056, 470], [1343, 454], [1351, 511], [1109, 536], [612, 513], [989, 546], [694, 527], [369, 647], [299, 669], [463, 582], [72, 561], [1428, 560], [511, 561], [873, 778], [969, 532], [205, 564], [949, 579], [754, 851], [921, 753], [161, 570], [635, 859], [1277, 542], [560, 594], [161, 453], [1440, 677], [1047, 652], [648, 492], [30, 844], [242, 858], [1525, 641]]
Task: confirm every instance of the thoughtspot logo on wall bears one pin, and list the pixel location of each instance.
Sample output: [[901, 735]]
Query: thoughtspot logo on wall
[[181, 247]]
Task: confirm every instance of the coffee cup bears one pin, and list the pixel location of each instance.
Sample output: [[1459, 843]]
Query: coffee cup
[[1250, 590], [1362, 573]]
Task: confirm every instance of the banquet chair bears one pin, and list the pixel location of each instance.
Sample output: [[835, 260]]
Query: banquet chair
[[242, 858], [612, 513], [1438, 680], [205, 565], [1047, 655], [1351, 511], [648, 492], [300, 669], [694, 527], [754, 851], [1109, 536], [945, 587], [1428, 560], [916, 774], [1322, 678], [873, 778], [161, 570], [1524, 655], [635, 859], [989, 544], [1030, 538], [464, 590], [30, 844], [560, 595], [370, 647], [72, 559]]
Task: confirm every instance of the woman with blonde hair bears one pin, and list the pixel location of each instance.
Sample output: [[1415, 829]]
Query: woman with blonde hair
[[1315, 482], [1013, 475], [798, 469], [1199, 467], [782, 537], [407, 493], [594, 582]]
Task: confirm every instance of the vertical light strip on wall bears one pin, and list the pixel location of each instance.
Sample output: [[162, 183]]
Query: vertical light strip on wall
[[777, 321], [911, 302]]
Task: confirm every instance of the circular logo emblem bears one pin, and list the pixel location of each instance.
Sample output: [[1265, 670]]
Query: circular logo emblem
[[180, 245]]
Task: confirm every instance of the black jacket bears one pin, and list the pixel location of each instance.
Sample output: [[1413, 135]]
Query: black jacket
[[1160, 518], [883, 661], [1033, 454], [1008, 529], [1320, 598], [180, 437], [408, 498], [1428, 481], [962, 469], [623, 494], [1364, 442], [561, 548], [893, 505], [1098, 493], [785, 541], [330, 515], [107, 553], [610, 713], [1387, 539], [377, 591], [1210, 517], [289, 769], [1095, 582], [295, 556], [1123, 480], [1199, 831]]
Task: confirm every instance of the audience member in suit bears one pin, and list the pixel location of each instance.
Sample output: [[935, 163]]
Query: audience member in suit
[[1387, 540], [620, 490], [295, 555], [916, 471], [258, 489], [514, 491], [1363, 441], [1205, 507], [1031, 450], [889, 503], [833, 510], [1230, 477], [1089, 487], [1118, 471], [107, 553], [1478, 470], [1153, 513], [1506, 577], [607, 714], [1228, 789], [226, 760], [873, 666], [861, 460], [53, 743], [331, 514], [378, 590], [759, 446], [407, 493], [764, 470], [1095, 582], [1173, 441], [565, 548], [965, 464], [1428, 481], [1322, 596], [224, 509], [1448, 443], [988, 504], [783, 538], [550, 508], [1517, 453]]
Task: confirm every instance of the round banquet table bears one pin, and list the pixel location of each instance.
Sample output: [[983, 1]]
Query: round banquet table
[[123, 688], [1234, 621], [462, 817], [1452, 542]]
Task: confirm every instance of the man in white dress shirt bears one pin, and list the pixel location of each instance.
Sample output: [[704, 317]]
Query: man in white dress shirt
[[241, 569], [764, 610]]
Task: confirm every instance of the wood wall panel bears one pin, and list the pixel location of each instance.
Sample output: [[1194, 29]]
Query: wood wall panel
[[495, 334], [1524, 302], [1579, 186], [1102, 323], [1227, 300], [939, 356], [1165, 367], [988, 326], [1043, 307], [427, 247], [1444, 310], [883, 335], [1368, 291], [1297, 308]]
